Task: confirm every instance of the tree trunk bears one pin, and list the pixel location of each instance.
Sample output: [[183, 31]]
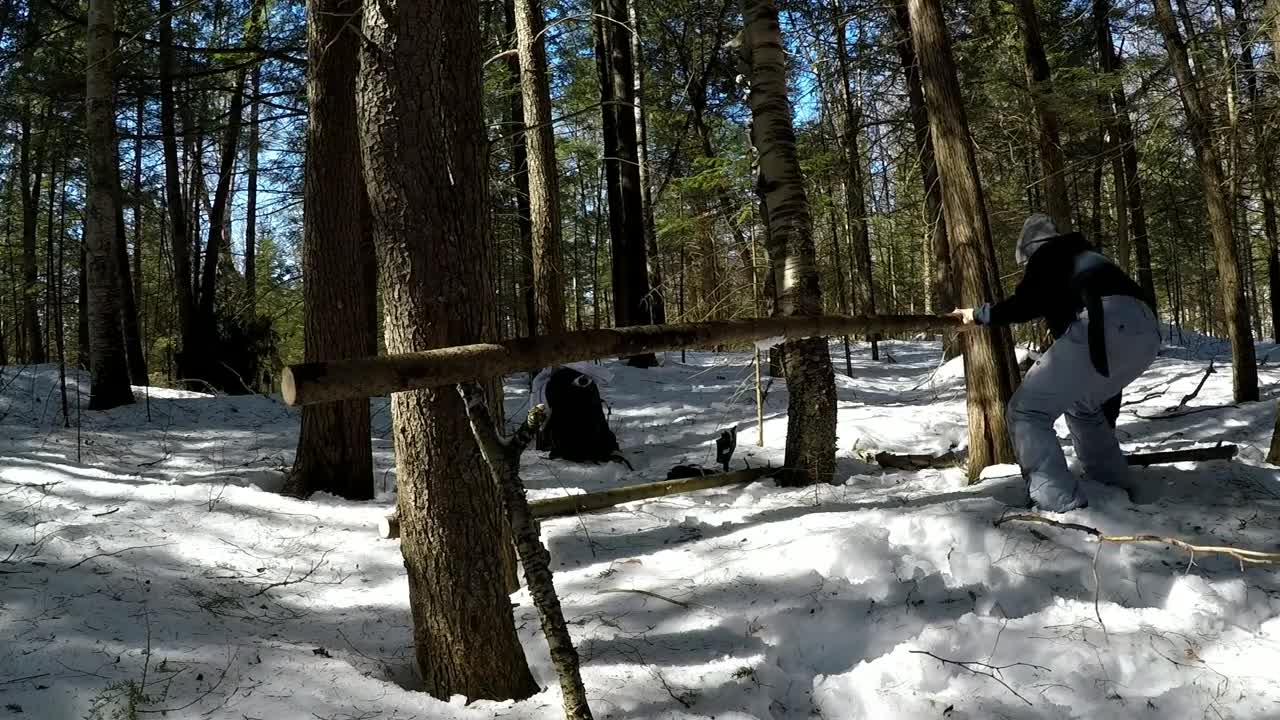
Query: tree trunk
[[338, 264], [1236, 308], [219, 209], [520, 176], [82, 313], [811, 410], [544, 177], [140, 129], [31, 166], [631, 292], [251, 200], [657, 301], [1267, 158], [854, 183], [989, 381], [942, 281], [136, 358], [435, 256], [1040, 84], [1135, 210], [109, 383], [174, 198]]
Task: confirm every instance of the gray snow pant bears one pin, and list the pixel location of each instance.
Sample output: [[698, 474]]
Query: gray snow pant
[[1064, 380]]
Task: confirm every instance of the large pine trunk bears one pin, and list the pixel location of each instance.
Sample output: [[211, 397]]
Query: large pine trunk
[[942, 282], [631, 291], [989, 382], [1267, 157], [1230, 276], [544, 178], [811, 411], [435, 257], [338, 264], [219, 209], [109, 384], [1039, 82]]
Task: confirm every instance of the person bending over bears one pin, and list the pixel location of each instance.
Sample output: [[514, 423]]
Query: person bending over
[[1105, 336]]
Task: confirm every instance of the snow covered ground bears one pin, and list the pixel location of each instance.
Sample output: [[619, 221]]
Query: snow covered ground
[[145, 559]]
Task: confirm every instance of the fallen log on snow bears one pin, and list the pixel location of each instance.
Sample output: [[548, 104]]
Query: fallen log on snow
[[899, 461], [389, 526], [316, 382]]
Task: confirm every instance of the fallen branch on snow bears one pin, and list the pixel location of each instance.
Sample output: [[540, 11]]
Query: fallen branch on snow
[[991, 671], [1253, 557]]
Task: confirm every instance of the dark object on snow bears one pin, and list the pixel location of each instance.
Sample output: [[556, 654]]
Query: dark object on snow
[[576, 428], [725, 445]]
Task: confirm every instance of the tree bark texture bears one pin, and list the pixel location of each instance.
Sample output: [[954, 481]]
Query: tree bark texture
[[855, 197], [30, 172], [811, 411], [503, 459], [129, 324], [338, 263], [989, 381], [544, 177], [435, 257], [251, 199], [307, 383], [175, 200], [1040, 84], [1135, 209], [657, 300], [1230, 275], [942, 282], [109, 380], [631, 291]]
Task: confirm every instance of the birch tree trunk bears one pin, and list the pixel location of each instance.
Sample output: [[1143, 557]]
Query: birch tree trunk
[[436, 266], [811, 412], [1230, 277]]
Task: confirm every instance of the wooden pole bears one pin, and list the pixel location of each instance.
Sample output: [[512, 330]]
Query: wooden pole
[[389, 527], [317, 382]]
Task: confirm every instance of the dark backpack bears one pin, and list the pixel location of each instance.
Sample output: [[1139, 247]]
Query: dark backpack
[[576, 429]]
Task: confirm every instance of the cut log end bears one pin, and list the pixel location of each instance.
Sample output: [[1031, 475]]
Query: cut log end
[[288, 389], [389, 527]]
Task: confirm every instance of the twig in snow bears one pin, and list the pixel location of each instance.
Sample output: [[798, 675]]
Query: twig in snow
[[1097, 591], [117, 552], [646, 593], [991, 671], [221, 677], [684, 699], [287, 581], [1172, 415], [8, 557], [1253, 557], [21, 679], [109, 512]]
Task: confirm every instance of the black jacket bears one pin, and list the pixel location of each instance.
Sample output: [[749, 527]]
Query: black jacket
[[1063, 277]]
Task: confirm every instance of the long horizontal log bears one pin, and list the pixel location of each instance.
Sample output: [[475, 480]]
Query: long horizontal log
[[317, 382], [586, 502], [389, 527], [895, 461]]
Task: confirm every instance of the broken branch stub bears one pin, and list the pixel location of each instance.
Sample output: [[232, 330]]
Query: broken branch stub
[[317, 382]]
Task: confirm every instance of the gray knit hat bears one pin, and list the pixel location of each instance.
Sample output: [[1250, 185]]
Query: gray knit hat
[[1038, 229]]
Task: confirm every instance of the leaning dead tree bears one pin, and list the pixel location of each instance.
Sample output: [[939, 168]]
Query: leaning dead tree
[[317, 382], [503, 459]]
